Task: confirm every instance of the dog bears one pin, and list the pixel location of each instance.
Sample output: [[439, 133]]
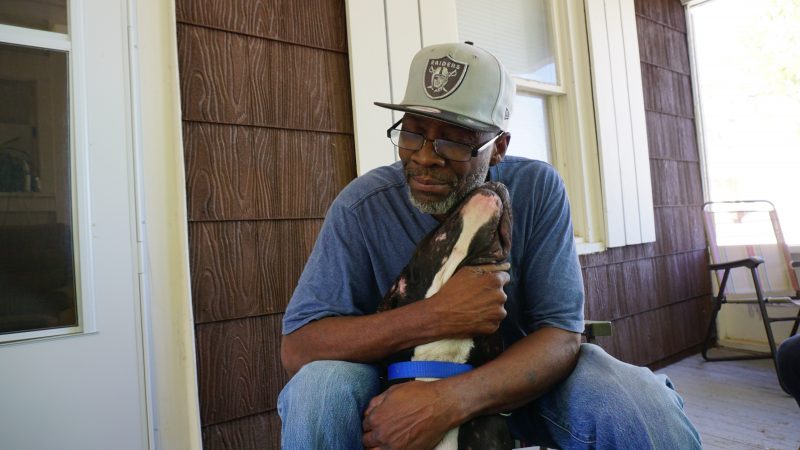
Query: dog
[[478, 232]]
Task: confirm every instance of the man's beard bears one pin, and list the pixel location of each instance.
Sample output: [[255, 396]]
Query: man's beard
[[445, 205]]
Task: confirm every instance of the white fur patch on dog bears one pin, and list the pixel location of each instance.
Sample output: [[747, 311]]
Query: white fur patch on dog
[[474, 216], [449, 350]]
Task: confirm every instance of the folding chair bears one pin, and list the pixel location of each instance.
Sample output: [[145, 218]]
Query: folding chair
[[747, 235]]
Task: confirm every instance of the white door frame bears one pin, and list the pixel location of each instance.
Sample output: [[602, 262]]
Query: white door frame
[[162, 230]]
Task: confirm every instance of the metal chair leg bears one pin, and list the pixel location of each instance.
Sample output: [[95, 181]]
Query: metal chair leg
[[719, 300]]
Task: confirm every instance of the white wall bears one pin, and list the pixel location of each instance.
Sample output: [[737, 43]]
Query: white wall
[[740, 326]]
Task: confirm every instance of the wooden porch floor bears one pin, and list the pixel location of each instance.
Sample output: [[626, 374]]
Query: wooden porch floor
[[736, 404]]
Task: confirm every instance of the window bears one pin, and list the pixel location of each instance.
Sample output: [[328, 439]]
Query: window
[[528, 54], [548, 46], [38, 271]]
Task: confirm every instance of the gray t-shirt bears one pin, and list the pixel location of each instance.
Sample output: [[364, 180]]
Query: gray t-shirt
[[371, 230]]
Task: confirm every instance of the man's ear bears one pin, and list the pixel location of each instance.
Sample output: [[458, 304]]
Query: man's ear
[[500, 147]]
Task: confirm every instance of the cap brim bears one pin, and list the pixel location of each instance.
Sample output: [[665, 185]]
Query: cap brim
[[444, 116]]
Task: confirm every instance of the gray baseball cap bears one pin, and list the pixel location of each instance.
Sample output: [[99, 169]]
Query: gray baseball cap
[[460, 84]]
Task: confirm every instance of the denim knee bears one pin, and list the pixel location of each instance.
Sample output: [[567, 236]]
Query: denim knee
[[606, 403], [322, 405]]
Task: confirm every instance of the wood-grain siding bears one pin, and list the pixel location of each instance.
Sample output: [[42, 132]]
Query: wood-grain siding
[[658, 294], [236, 79], [247, 268], [314, 23], [268, 144], [241, 355], [260, 431], [247, 173]]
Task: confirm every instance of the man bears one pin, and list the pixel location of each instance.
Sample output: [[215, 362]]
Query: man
[[453, 138]]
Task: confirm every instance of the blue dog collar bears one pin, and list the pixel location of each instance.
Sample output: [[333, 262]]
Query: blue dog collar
[[426, 369]]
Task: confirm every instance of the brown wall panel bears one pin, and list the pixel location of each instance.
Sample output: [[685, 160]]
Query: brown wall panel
[[596, 286], [636, 287], [309, 170], [671, 93], [659, 333], [239, 369], [677, 183], [671, 137], [215, 84], [682, 276], [220, 174], [282, 20], [672, 223], [665, 12], [677, 52], [618, 255], [223, 256], [299, 87], [257, 432], [230, 15], [267, 146], [247, 268], [669, 51], [245, 173], [231, 78]]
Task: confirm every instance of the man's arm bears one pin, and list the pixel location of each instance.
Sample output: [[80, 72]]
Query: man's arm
[[417, 414], [470, 303]]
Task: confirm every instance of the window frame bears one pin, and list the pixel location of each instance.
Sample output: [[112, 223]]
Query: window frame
[[572, 126], [70, 43], [568, 102]]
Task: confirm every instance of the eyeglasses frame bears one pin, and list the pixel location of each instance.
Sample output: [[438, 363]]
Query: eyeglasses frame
[[475, 151]]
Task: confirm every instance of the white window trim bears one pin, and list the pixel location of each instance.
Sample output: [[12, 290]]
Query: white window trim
[[573, 128], [620, 121], [71, 44]]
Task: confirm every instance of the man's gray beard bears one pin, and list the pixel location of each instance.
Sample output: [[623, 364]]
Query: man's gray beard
[[446, 204]]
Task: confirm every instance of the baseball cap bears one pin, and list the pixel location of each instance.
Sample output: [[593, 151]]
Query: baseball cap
[[461, 84]]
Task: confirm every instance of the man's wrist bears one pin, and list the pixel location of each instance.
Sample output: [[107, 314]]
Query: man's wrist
[[461, 407], [431, 319]]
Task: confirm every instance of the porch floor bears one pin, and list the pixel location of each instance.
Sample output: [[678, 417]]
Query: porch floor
[[736, 404]]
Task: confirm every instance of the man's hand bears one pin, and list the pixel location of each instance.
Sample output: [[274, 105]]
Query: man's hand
[[472, 301], [412, 415]]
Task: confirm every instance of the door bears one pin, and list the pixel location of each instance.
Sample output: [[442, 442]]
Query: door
[[71, 353]]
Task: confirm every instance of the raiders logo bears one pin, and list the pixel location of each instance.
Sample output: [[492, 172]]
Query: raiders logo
[[443, 76]]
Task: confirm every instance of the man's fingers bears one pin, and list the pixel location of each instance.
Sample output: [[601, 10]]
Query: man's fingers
[[369, 441], [499, 270], [377, 400], [505, 277]]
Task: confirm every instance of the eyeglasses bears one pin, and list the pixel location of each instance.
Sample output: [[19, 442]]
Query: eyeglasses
[[453, 151]]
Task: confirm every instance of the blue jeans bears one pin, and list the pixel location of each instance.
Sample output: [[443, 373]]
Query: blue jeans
[[603, 404]]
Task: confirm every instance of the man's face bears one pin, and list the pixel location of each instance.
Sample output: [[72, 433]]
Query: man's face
[[436, 184]]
